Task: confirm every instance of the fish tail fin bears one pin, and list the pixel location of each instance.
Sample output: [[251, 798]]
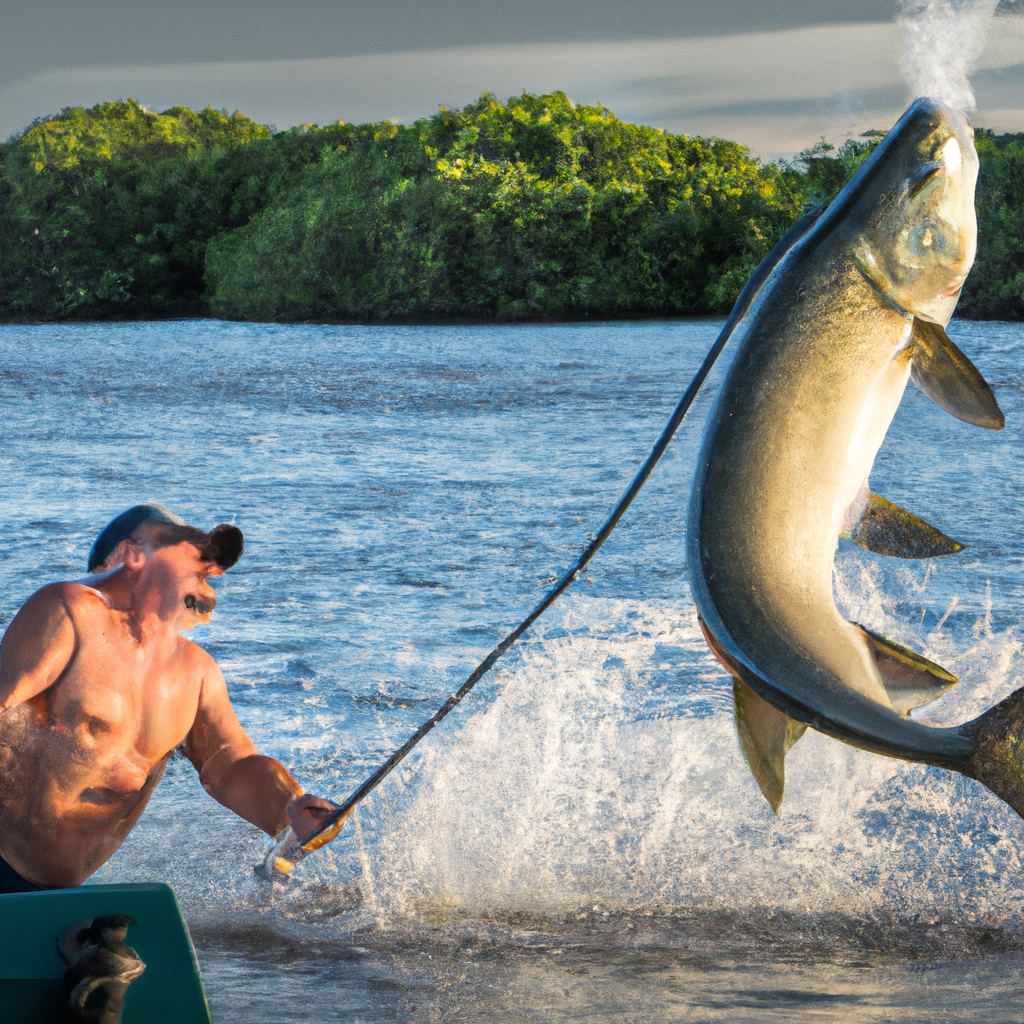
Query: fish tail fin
[[998, 758]]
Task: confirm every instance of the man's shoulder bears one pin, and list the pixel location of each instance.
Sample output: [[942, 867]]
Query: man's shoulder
[[62, 592], [71, 594], [68, 600], [199, 658], [47, 618]]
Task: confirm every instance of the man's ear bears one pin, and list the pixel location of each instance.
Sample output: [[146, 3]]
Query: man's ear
[[131, 553]]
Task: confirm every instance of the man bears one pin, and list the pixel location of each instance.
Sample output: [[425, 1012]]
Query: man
[[98, 687]]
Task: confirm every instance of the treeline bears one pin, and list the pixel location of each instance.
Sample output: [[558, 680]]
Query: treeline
[[534, 208]]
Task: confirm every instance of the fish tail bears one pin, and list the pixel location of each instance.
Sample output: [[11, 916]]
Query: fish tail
[[998, 758]]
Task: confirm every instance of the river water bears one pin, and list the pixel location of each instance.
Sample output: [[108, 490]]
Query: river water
[[581, 839]]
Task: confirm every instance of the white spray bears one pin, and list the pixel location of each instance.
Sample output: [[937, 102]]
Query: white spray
[[942, 41]]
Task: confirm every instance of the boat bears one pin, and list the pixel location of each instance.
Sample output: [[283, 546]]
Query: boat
[[32, 986]]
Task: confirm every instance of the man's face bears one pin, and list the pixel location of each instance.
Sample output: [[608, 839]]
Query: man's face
[[183, 579]]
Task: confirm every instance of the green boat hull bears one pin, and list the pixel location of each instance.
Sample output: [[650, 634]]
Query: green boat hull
[[32, 991]]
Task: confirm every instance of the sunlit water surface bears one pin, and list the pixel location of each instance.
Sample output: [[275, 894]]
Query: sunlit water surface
[[581, 840]]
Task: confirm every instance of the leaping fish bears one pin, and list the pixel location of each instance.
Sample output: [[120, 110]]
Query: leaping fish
[[854, 308]]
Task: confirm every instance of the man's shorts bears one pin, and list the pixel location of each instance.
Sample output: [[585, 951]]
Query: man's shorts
[[11, 881]]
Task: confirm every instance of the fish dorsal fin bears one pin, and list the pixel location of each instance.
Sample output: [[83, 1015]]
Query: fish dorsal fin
[[909, 678], [950, 379], [887, 529], [766, 736]]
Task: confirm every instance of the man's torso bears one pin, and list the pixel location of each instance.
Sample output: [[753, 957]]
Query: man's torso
[[79, 761]]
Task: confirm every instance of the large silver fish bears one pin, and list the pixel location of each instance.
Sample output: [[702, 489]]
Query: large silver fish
[[850, 312]]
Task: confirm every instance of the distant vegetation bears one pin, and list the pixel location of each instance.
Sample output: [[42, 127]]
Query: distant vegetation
[[534, 208]]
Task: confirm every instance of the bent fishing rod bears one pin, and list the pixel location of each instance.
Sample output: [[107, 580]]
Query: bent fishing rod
[[287, 851]]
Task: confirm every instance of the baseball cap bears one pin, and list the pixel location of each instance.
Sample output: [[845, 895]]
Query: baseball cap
[[223, 544]]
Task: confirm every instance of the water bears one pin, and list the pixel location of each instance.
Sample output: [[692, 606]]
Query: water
[[581, 839]]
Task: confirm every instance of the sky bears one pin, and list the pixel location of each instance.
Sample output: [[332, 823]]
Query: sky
[[776, 75]]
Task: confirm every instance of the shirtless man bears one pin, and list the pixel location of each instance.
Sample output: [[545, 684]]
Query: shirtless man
[[98, 687]]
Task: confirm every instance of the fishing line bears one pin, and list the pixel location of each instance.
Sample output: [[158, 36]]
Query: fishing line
[[287, 851]]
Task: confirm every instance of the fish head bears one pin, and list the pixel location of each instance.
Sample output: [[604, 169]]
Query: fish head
[[910, 210]]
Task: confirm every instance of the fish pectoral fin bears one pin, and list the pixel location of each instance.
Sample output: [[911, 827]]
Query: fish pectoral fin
[[909, 678], [950, 379], [887, 529], [766, 736]]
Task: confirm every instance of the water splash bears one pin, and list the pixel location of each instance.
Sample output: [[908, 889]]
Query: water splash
[[604, 781], [942, 41], [572, 787]]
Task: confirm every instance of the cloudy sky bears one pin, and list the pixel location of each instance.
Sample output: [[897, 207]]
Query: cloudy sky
[[773, 74]]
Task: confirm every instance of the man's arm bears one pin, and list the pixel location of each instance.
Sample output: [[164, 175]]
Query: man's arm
[[255, 787], [37, 647]]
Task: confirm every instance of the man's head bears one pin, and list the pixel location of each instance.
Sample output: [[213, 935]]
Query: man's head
[[166, 563], [155, 526]]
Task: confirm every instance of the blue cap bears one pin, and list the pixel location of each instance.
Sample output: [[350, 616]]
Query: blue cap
[[223, 544]]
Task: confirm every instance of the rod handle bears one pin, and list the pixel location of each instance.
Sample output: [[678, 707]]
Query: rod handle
[[282, 857]]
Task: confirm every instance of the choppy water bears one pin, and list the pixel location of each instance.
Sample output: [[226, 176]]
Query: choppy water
[[581, 839]]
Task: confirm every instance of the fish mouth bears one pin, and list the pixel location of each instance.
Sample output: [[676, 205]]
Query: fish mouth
[[202, 605], [954, 286]]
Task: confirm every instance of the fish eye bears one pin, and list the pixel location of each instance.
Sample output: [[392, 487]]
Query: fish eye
[[925, 238]]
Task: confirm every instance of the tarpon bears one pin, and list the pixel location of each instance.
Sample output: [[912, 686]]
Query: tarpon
[[854, 308]]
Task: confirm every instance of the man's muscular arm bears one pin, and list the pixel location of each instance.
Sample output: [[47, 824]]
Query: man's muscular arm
[[37, 647], [255, 787]]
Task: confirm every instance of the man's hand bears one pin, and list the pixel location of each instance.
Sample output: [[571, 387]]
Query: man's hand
[[307, 812], [256, 787]]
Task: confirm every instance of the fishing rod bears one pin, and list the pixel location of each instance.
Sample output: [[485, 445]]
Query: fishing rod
[[287, 851]]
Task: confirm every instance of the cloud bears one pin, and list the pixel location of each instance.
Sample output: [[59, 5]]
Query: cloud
[[776, 92]]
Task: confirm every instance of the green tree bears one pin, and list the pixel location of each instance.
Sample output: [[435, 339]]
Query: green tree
[[531, 208], [95, 205], [995, 287], [535, 207]]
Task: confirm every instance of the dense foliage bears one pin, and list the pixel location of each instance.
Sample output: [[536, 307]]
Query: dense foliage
[[995, 287], [534, 208], [531, 208]]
